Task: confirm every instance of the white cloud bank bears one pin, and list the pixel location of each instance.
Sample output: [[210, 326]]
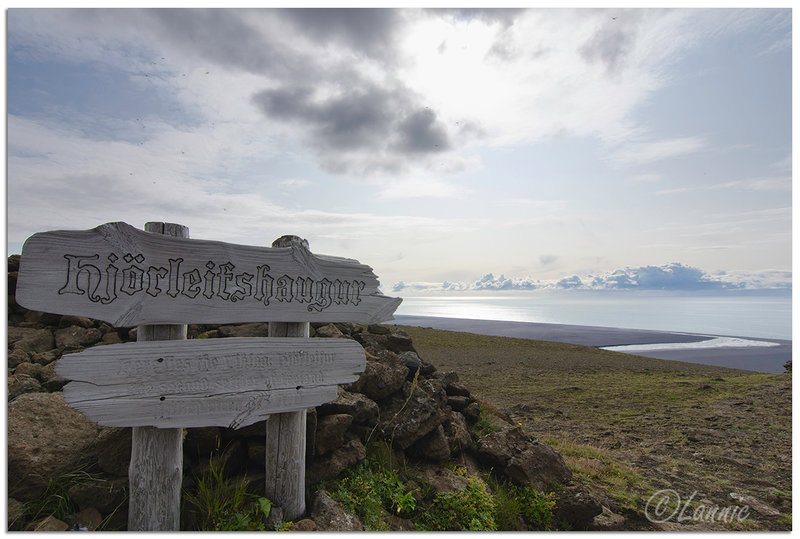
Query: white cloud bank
[[667, 277]]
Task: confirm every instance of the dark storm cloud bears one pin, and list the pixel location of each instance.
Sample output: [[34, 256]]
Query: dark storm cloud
[[504, 16], [369, 31], [421, 133], [378, 125]]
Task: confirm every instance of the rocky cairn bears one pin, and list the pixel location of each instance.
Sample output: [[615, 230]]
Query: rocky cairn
[[422, 413]]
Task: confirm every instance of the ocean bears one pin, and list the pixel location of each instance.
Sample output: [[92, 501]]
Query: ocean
[[762, 315]]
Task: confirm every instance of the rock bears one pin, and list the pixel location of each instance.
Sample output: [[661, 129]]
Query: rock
[[52, 381], [329, 331], [114, 451], [89, 519], [20, 384], [399, 341], [34, 370], [45, 358], [256, 329], [363, 409], [330, 516], [787, 367], [447, 378], [330, 432], [443, 480], [49, 524], [111, 338], [349, 328], [379, 380], [102, 494], [311, 432], [457, 434], [457, 389], [458, 403], [411, 418], [13, 263], [69, 320], [77, 337], [412, 361], [377, 329], [372, 344], [45, 438], [16, 510], [30, 340], [472, 412], [331, 465], [522, 459], [607, 521], [433, 446], [17, 356], [398, 524], [305, 525], [427, 369], [576, 506]]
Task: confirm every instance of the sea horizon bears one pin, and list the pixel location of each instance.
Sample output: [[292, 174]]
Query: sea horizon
[[763, 314]]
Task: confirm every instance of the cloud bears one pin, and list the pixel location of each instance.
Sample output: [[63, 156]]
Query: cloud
[[648, 152], [547, 259], [674, 277]]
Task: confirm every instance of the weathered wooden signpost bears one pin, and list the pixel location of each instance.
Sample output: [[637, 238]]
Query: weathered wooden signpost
[[160, 280]]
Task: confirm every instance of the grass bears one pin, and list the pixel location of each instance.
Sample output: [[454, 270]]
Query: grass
[[221, 504], [630, 425]]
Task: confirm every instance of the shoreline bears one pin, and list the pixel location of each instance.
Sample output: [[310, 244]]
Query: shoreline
[[754, 358]]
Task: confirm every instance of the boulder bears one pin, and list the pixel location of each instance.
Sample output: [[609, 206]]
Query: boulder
[[17, 356], [87, 519], [363, 410], [377, 329], [330, 516], [331, 465], [30, 340], [458, 403], [69, 320], [455, 430], [399, 341], [34, 370], [472, 412], [414, 412], [523, 460], [349, 328], [330, 432], [20, 384], [329, 331], [457, 389], [433, 446], [49, 524], [50, 380], [77, 337], [45, 439], [114, 451], [305, 525], [576, 506], [16, 511], [443, 480], [379, 380], [45, 358], [412, 361]]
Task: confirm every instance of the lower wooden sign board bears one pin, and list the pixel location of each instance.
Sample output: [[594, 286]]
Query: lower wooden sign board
[[230, 382]]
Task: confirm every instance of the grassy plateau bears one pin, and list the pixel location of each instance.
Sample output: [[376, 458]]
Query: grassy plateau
[[629, 426]]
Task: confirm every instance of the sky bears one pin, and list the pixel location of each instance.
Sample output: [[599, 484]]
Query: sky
[[449, 149]]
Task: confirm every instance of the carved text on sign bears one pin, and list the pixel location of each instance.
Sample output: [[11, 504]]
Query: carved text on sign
[[85, 275]]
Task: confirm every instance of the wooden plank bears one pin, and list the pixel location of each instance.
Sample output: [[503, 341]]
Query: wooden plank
[[126, 277], [285, 463], [216, 382], [155, 472]]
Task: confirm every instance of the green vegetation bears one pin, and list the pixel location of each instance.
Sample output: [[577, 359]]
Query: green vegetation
[[376, 492], [221, 504]]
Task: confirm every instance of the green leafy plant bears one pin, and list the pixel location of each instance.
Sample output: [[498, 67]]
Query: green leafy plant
[[223, 505], [470, 509], [55, 500]]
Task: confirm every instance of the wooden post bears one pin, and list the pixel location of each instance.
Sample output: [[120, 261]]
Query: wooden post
[[156, 469], [286, 432]]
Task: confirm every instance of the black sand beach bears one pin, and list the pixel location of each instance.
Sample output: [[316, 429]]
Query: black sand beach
[[761, 359]]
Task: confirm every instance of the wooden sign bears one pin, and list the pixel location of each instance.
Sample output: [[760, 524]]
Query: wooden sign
[[126, 277], [229, 382]]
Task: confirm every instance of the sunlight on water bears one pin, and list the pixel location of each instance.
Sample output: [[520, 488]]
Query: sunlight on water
[[745, 316]]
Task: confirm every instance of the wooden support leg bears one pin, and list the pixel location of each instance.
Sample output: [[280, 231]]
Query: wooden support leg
[[286, 445], [155, 473]]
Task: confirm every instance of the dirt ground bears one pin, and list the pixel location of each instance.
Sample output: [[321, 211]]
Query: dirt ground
[[699, 443]]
